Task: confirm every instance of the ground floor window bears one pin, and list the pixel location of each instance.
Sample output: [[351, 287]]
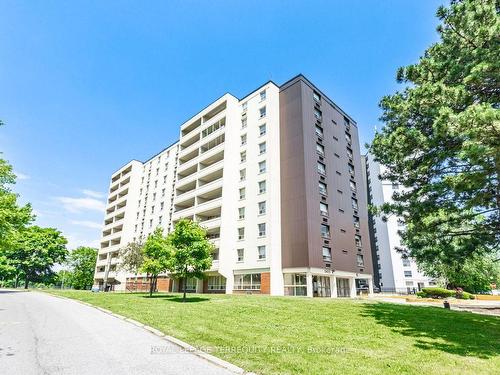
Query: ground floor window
[[248, 281], [295, 284], [191, 285], [321, 286], [343, 287], [216, 283]]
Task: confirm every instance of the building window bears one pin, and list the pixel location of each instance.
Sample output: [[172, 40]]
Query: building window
[[241, 213], [243, 156], [262, 229], [325, 230], [355, 220], [295, 284], [360, 261], [243, 123], [323, 209], [262, 208], [244, 106], [249, 281], [262, 187], [348, 138], [243, 173], [327, 254], [162, 192], [357, 239], [162, 204], [261, 251], [352, 184], [321, 168], [216, 283], [243, 139], [320, 149], [262, 148], [401, 223], [151, 223], [164, 179], [316, 97], [407, 273], [240, 255], [156, 184], [241, 234], [317, 114], [262, 166], [354, 203], [349, 153], [262, 95], [160, 219], [406, 262], [262, 112], [319, 131], [242, 193], [262, 130], [351, 169], [152, 209], [322, 188], [395, 186]]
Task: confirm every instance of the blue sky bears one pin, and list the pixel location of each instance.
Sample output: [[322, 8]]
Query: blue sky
[[85, 86]]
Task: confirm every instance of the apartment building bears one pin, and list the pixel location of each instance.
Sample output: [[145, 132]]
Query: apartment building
[[274, 177], [393, 273]]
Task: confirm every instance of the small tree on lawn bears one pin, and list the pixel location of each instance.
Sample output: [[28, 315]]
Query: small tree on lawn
[[132, 257], [82, 261], [192, 252], [157, 256]]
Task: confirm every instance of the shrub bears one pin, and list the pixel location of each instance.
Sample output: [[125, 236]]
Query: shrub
[[466, 295], [421, 294], [435, 292]]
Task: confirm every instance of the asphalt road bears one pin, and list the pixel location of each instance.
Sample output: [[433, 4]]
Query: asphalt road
[[42, 334]]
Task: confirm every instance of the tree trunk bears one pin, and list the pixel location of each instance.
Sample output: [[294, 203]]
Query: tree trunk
[[16, 283], [26, 282], [151, 286], [184, 289]]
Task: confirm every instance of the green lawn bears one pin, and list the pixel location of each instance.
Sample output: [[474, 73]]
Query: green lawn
[[282, 335]]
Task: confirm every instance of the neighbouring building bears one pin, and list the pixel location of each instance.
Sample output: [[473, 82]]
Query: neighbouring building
[[392, 272], [275, 177]]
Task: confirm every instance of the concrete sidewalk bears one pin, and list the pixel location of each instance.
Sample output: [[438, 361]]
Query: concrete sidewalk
[[43, 334]]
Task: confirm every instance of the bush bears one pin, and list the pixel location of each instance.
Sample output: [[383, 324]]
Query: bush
[[466, 295], [435, 292], [421, 294]]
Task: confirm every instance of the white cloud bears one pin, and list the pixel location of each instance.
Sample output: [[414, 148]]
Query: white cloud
[[21, 176], [81, 204], [87, 224], [92, 193]]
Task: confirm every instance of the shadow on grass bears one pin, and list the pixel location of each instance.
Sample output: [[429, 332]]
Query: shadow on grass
[[176, 298], [460, 333]]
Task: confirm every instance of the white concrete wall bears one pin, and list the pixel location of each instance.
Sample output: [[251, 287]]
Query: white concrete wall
[[388, 238]]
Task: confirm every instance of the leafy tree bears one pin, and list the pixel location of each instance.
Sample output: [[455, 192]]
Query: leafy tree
[[157, 256], [441, 140], [63, 278], [192, 252], [82, 262], [34, 252], [475, 275], [131, 257]]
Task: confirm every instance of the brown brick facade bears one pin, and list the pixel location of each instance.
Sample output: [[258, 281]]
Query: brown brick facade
[[265, 283], [141, 285]]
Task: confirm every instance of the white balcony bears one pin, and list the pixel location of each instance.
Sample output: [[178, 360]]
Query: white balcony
[[215, 265]]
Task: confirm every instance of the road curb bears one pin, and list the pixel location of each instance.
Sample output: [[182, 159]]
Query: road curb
[[184, 345]]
